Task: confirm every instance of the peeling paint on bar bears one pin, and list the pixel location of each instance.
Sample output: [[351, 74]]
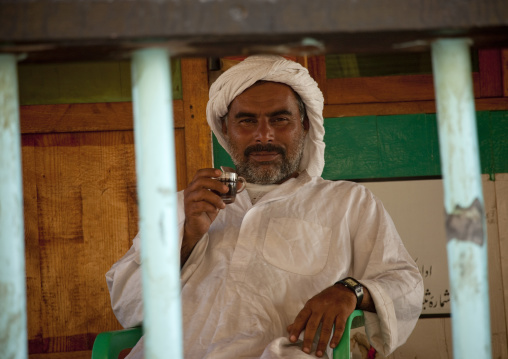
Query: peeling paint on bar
[[466, 224]]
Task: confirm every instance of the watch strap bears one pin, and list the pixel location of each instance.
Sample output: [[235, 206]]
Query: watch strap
[[355, 286]]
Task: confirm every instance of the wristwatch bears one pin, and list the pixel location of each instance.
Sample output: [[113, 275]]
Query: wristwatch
[[355, 286]]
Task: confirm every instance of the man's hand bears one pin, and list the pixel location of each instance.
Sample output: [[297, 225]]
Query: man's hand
[[201, 208], [332, 306]]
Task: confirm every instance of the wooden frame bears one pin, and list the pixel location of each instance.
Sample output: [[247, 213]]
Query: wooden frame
[[411, 94]]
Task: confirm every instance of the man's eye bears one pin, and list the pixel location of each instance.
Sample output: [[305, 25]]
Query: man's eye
[[247, 121], [280, 120]]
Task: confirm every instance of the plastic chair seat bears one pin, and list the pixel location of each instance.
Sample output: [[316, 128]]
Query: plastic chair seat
[[108, 345]]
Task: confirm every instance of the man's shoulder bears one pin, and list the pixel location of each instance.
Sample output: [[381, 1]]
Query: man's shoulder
[[340, 188], [337, 184]]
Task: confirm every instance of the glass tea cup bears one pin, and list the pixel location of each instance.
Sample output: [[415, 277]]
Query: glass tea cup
[[230, 179]]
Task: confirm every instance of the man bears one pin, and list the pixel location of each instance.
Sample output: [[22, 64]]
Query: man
[[261, 275]]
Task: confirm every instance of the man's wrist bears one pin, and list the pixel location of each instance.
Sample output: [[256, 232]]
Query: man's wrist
[[354, 286]]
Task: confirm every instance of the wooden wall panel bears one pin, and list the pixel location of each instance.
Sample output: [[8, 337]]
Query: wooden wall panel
[[107, 168], [80, 217], [112, 116], [491, 80], [384, 89], [32, 252], [82, 354], [181, 164], [81, 210], [405, 108], [317, 69], [380, 89], [502, 218], [61, 237], [198, 138], [497, 300], [504, 69]]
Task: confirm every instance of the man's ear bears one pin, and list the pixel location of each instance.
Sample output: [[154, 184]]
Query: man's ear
[[306, 124], [224, 126]]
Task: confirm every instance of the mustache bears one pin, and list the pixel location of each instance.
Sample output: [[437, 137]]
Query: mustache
[[264, 148]]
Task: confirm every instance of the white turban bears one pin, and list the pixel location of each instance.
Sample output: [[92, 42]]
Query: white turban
[[276, 69]]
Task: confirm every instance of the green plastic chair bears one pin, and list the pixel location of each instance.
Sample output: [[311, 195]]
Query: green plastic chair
[[343, 350], [108, 345]]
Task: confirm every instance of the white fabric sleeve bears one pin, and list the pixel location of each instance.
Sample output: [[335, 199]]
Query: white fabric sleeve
[[383, 265], [124, 284], [124, 277]]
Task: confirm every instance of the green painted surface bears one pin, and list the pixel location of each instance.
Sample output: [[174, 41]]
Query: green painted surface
[[220, 156], [372, 147], [369, 65], [499, 136], [41, 84]]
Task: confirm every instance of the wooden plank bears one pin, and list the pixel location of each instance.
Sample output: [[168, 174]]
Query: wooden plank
[[181, 163], [83, 354], [405, 108], [491, 81], [32, 254], [198, 146], [380, 89], [61, 237], [317, 69], [497, 305], [384, 89], [501, 185], [504, 66], [104, 161], [84, 117], [302, 60]]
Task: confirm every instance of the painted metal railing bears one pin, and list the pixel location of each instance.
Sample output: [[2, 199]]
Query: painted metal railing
[[465, 212], [156, 174], [13, 324], [155, 166]]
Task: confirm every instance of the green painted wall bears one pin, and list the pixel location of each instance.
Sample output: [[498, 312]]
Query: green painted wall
[[388, 64], [43, 84], [373, 147]]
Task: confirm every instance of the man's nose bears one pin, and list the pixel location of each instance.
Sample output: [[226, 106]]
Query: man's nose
[[264, 132]]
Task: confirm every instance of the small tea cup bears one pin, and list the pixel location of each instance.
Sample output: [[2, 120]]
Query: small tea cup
[[230, 179]]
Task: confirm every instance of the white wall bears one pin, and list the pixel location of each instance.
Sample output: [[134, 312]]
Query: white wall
[[418, 212]]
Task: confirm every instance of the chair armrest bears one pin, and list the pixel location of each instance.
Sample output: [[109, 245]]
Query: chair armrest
[[355, 320], [108, 345]]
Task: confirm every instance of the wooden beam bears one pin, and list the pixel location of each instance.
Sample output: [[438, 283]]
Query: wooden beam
[[383, 89], [491, 80], [504, 66], [198, 138], [317, 69], [113, 116], [405, 108]]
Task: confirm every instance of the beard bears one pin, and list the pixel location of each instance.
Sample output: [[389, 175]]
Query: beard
[[269, 172]]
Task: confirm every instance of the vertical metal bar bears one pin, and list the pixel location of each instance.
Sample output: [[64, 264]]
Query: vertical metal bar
[[13, 327], [156, 176], [465, 214]]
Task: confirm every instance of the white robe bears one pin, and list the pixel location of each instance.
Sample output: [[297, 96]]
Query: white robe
[[250, 275]]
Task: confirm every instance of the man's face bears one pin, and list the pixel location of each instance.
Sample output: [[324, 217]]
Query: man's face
[[265, 133]]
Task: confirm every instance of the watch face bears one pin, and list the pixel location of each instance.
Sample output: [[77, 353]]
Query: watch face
[[351, 282]]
